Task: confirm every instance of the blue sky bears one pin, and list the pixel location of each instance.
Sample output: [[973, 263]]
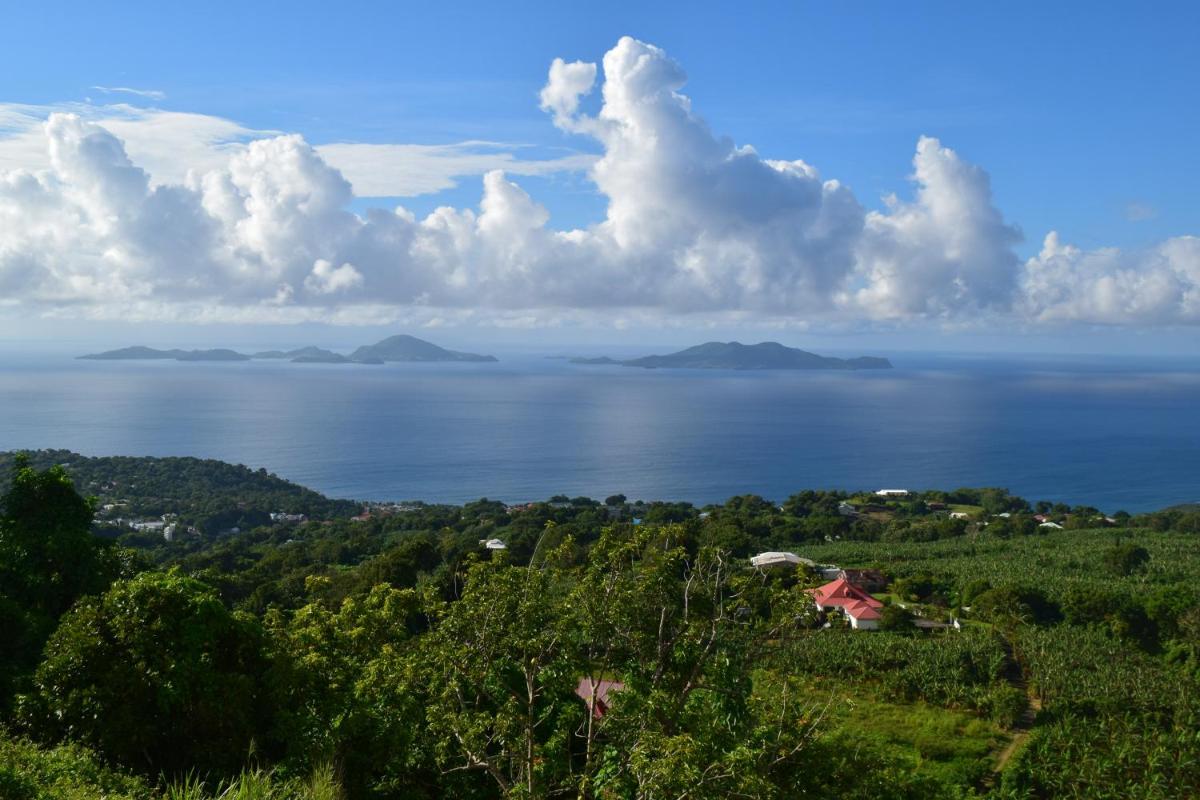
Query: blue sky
[[1084, 116]]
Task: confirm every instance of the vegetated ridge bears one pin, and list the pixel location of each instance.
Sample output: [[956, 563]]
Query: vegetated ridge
[[409, 348], [735, 355], [139, 353], [393, 348]]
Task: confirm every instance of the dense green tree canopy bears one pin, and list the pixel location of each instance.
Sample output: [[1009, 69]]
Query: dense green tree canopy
[[48, 556], [156, 673]]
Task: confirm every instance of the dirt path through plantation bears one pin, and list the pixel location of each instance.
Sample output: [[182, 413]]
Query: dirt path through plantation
[[1020, 732], [1015, 676]]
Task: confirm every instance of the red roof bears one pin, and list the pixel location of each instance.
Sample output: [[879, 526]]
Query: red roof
[[603, 691], [845, 595]]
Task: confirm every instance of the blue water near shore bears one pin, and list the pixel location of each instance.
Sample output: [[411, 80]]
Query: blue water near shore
[[1117, 434]]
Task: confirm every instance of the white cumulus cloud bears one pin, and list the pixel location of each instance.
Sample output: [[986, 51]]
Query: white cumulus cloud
[[1160, 285], [170, 144], [947, 252], [117, 212], [325, 279]]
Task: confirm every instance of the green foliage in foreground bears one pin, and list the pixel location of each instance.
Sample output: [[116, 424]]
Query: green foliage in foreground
[[395, 658], [48, 560], [1109, 758], [1115, 724], [65, 772], [259, 784], [70, 772], [156, 673]]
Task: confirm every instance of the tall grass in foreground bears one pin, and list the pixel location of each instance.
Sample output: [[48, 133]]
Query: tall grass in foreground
[[259, 784]]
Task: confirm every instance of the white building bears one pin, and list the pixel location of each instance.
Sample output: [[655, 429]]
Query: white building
[[778, 559], [493, 544]]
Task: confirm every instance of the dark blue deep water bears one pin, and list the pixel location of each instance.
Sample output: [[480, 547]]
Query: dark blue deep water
[[1118, 434]]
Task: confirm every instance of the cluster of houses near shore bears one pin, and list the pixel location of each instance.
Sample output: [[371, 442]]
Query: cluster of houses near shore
[[167, 525], [1046, 521]]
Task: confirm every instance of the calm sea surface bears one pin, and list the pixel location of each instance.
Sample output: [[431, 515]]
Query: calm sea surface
[[1111, 433]]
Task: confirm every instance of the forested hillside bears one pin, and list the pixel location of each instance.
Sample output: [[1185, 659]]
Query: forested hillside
[[590, 649], [211, 495]]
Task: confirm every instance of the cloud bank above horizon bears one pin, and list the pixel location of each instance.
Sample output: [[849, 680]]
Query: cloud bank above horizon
[[151, 215]]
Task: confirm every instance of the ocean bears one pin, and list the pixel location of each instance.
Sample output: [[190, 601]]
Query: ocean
[[1109, 432]]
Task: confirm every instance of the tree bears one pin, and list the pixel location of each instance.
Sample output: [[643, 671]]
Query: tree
[[48, 559], [678, 625], [615, 500], [1126, 558], [923, 588], [344, 688], [1013, 605], [1087, 604], [157, 674], [895, 618], [48, 556], [971, 590], [500, 678], [675, 624], [997, 501]]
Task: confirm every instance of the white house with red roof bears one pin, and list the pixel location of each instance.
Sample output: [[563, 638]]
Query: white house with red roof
[[859, 607]]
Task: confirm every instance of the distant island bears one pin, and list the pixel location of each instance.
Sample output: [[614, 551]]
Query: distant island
[[600, 360], [410, 348], [150, 354], [393, 348], [312, 355], [735, 355]]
